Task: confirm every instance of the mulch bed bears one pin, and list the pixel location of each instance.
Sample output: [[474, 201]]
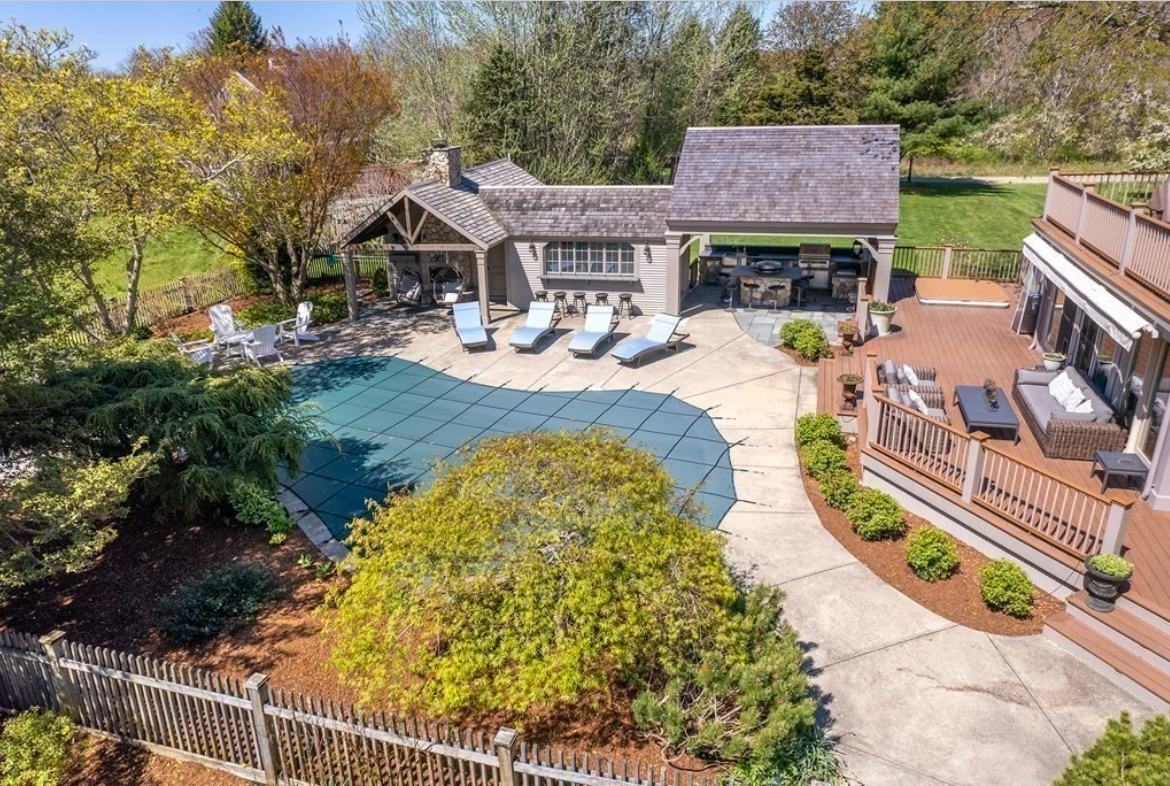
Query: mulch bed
[[957, 598], [112, 604]]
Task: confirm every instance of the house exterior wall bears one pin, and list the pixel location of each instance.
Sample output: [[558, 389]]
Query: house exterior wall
[[525, 274]]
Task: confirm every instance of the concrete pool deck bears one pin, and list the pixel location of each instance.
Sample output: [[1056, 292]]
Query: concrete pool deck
[[912, 698]]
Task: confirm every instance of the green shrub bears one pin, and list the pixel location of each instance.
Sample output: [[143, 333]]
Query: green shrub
[[327, 307], [255, 506], [797, 761], [1122, 757], [547, 568], [931, 554], [37, 748], [1006, 588], [838, 488], [875, 515], [821, 458], [1111, 565], [806, 337], [221, 600], [380, 283], [821, 427]]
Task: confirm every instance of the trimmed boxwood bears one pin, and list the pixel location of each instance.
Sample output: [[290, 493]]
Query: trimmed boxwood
[[838, 488], [806, 337], [821, 427], [1006, 587], [875, 515], [931, 554], [821, 458]]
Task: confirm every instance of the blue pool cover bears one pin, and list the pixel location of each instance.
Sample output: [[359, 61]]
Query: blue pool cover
[[393, 419]]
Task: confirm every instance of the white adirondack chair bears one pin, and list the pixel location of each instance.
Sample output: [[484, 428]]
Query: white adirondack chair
[[262, 345], [297, 328], [201, 350], [224, 326]]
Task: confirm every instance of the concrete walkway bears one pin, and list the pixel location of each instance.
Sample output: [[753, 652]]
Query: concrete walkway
[[912, 697]]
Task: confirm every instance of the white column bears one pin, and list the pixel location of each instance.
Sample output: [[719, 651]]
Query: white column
[[884, 259], [676, 279], [481, 283]]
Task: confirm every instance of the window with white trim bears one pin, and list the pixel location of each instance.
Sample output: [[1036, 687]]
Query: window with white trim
[[589, 259]]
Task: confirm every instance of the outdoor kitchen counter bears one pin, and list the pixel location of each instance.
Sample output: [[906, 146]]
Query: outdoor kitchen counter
[[746, 274]]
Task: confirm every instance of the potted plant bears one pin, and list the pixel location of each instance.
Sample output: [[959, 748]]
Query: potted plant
[[882, 314], [1104, 361], [1105, 575], [1054, 360], [848, 333], [849, 383]]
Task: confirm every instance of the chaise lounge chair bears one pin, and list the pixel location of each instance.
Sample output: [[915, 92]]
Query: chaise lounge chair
[[469, 326], [599, 326], [663, 334], [538, 325]]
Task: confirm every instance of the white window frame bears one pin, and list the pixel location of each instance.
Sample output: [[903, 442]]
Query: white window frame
[[592, 259]]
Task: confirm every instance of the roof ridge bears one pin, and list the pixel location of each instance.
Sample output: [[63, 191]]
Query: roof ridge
[[786, 128], [547, 187]]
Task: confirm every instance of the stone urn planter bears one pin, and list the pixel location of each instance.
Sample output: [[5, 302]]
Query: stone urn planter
[[849, 383], [1105, 573], [1054, 361], [848, 333], [882, 314]]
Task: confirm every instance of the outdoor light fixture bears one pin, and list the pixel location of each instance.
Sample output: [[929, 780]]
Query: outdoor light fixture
[[647, 250], [532, 247]]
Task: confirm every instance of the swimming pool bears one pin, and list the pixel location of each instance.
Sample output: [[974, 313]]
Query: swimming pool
[[393, 419]]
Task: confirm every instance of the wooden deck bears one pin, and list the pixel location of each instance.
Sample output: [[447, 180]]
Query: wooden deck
[[966, 345]]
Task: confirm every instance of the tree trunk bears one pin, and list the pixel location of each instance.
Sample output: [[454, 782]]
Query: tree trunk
[[910, 171], [99, 302], [133, 276]]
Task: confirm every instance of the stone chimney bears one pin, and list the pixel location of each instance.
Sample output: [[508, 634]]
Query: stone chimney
[[441, 164]]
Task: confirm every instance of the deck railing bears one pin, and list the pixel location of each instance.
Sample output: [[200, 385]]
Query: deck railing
[[996, 264], [1070, 517], [1104, 214], [269, 736]]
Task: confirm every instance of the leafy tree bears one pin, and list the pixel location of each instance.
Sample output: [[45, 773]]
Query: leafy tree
[[922, 52], [736, 65], [1121, 756], [235, 29], [808, 93], [499, 108], [808, 24], [288, 139], [543, 570]]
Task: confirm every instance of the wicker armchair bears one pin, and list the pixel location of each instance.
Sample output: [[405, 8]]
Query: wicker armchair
[[1064, 437]]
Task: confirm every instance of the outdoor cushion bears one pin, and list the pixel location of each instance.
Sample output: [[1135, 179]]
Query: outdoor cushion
[[468, 325], [1040, 403], [895, 395], [598, 327], [1061, 388], [1032, 376], [538, 324], [891, 371], [629, 350], [1083, 408], [660, 336], [911, 377], [918, 403]]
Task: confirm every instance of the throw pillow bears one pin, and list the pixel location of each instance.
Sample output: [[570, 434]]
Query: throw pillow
[[918, 403], [1060, 386], [891, 372], [1085, 407], [911, 377]]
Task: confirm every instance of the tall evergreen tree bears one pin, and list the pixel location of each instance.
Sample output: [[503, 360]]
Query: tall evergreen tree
[[235, 27]]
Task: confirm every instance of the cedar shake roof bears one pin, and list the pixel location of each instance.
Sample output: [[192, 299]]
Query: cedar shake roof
[[788, 175], [460, 206], [580, 211]]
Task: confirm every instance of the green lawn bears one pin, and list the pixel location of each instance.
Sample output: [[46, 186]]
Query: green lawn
[[168, 258], [979, 215]]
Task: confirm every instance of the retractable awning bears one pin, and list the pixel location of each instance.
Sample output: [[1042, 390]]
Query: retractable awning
[[1111, 314]]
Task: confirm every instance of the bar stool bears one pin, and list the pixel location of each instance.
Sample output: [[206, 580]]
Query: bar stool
[[752, 289], [560, 307], [580, 300], [626, 305], [798, 288], [541, 296], [776, 289], [602, 299]]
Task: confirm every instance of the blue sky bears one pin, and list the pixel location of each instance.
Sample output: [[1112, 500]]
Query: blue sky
[[113, 29]]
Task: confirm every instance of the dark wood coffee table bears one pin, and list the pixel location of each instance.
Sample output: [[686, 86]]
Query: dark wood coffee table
[[1121, 465], [979, 416]]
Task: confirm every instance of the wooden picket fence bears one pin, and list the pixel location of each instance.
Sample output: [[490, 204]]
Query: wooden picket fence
[[996, 264], [178, 297], [273, 736]]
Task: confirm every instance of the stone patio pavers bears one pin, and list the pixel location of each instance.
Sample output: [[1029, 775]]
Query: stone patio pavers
[[912, 697]]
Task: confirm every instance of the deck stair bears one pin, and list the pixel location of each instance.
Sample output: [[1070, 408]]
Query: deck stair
[[1120, 645]]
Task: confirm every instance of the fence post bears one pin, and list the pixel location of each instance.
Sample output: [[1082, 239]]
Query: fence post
[[505, 744], [52, 645], [1053, 171], [973, 477], [1127, 245], [1115, 526], [348, 268], [948, 250], [1086, 189], [261, 695], [872, 405]]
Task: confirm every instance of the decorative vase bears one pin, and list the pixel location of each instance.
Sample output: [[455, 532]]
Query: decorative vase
[[1051, 364], [847, 339], [1102, 589], [882, 321], [849, 389]]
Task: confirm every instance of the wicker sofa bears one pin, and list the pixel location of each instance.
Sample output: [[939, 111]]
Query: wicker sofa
[[1061, 434]]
